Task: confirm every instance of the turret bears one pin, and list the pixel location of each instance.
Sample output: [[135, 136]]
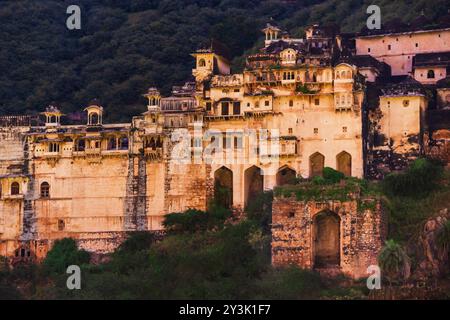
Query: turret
[[210, 60], [94, 113], [52, 116], [154, 97], [272, 31]]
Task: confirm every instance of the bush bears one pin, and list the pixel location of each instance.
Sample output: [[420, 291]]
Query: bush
[[260, 210], [332, 176], [193, 220], [63, 254], [393, 261], [417, 181]]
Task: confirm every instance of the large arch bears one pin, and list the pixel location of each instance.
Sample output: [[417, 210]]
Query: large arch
[[316, 164], [253, 183], [344, 163], [223, 187], [327, 238], [286, 175]]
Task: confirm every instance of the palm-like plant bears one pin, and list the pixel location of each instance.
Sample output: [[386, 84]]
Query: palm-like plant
[[394, 261]]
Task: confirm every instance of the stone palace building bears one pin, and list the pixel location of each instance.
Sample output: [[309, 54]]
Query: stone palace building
[[365, 104]]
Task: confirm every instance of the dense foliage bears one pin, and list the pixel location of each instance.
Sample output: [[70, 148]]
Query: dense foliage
[[126, 46]]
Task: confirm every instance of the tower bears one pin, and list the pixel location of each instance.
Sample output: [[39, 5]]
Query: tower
[[211, 59], [94, 113], [154, 97], [271, 31], [52, 116]]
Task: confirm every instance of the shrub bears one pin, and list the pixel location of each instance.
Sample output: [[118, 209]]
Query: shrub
[[394, 261], [332, 176], [417, 181], [260, 210], [63, 254], [196, 220]]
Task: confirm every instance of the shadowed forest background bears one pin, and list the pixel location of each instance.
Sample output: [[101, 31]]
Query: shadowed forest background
[[125, 46]]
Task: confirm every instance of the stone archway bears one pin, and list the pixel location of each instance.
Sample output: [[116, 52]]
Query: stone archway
[[253, 183], [316, 164], [286, 175], [344, 163], [326, 237], [223, 187]]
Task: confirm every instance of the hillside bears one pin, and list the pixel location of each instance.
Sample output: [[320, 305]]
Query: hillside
[[125, 46]]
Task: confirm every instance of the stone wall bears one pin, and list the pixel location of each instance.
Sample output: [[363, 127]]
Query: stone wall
[[361, 233]]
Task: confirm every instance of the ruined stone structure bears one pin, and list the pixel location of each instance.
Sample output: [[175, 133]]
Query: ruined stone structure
[[298, 106], [331, 235]]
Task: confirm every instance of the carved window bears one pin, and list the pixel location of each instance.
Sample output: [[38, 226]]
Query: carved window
[[45, 190]]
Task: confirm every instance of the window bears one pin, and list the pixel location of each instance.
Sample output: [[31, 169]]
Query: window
[[61, 225], [316, 130], [368, 49], [291, 103], [15, 188], [317, 101], [237, 142], [389, 47], [237, 90], [45, 190], [201, 63], [417, 45], [430, 74], [225, 142], [123, 143], [80, 145], [208, 106], [53, 147], [405, 103], [290, 130], [112, 143], [225, 108], [344, 129], [266, 103], [237, 108]]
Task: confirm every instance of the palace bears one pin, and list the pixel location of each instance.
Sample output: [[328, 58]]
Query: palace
[[364, 104]]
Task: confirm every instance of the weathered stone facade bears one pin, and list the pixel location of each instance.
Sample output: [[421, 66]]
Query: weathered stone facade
[[357, 236]]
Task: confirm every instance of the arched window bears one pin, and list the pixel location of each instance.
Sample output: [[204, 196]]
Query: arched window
[[45, 190], [430, 74], [15, 188], [201, 63]]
